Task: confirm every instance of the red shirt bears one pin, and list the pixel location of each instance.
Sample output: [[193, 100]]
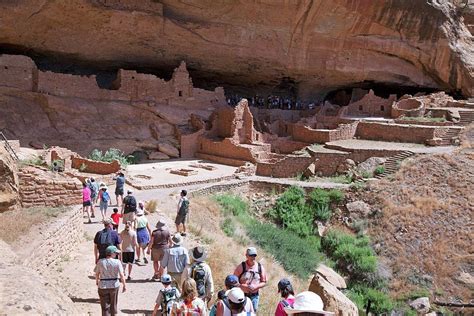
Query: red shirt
[[116, 218]]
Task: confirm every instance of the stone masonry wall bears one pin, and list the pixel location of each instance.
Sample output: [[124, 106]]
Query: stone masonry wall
[[56, 240], [287, 167], [41, 187], [395, 132], [17, 72], [97, 167]]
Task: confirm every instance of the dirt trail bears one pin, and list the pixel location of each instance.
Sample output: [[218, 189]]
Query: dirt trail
[[77, 273]]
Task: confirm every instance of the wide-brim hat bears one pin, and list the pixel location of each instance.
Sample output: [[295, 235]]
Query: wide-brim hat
[[307, 302], [177, 239], [160, 224], [198, 254], [140, 212]]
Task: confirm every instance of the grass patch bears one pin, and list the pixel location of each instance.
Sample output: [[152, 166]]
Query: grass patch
[[367, 175], [228, 227], [13, 228], [379, 170], [320, 202], [231, 204], [34, 161], [111, 155], [424, 119], [361, 295]]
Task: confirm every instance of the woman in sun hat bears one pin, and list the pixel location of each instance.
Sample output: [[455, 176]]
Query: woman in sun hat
[[307, 304], [160, 241], [104, 198], [143, 234]]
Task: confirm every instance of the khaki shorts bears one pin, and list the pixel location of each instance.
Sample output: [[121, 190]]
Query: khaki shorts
[[157, 254], [128, 217]]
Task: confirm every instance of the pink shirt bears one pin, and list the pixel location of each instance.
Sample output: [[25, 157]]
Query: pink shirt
[[280, 311], [86, 194]]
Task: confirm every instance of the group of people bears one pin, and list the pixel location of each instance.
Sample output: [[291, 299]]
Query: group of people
[[272, 102], [188, 285]]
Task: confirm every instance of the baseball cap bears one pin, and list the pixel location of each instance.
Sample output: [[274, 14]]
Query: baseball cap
[[112, 249], [165, 278], [251, 251], [231, 281], [236, 295]]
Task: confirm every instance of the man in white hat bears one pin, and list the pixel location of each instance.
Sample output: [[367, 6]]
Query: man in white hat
[[160, 241], [201, 273], [235, 304], [307, 304], [175, 259]]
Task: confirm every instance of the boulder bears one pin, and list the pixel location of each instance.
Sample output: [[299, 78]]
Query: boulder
[[370, 165], [358, 210], [310, 170], [345, 166], [421, 305], [168, 150], [466, 278], [331, 276], [157, 155], [333, 299]]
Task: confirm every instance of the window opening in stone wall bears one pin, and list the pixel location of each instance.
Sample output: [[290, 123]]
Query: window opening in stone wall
[[382, 108], [360, 108], [180, 93], [6, 67]]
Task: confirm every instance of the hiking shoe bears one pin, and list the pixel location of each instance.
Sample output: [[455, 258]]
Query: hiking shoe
[[129, 278], [137, 260], [145, 260], [89, 221], [183, 234], [93, 216]]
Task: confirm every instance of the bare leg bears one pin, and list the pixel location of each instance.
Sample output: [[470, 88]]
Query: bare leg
[[138, 253], [156, 267], [184, 228], [130, 269], [177, 228], [88, 213]]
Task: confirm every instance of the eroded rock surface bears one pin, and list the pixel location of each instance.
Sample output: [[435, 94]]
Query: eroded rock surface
[[8, 181], [320, 44]]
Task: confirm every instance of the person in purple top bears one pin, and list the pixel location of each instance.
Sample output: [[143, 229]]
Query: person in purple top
[[86, 201]]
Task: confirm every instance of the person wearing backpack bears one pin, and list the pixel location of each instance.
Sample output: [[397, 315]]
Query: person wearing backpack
[[201, 273], [92, 185], [236, 304], [104, 238], [129, 207], [182, 213], [287, 297], [166, 297], [252, 276], [230, 282], [104, 198]]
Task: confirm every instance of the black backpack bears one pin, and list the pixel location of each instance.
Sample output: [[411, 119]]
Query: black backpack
[[130, 204], [105, 239], [244, 269], [199, 275], [169, 297]]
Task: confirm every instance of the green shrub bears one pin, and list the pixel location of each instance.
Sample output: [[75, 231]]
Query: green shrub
[[361, 295], [292, 213], [110, 155], [320, 201], [323, 212], [367, 174], [35, 161], [379, 170], [352, 254], [297, 255], [232, 204], [228, 227]]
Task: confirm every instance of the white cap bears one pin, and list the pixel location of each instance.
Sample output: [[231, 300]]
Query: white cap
[[236, 295]]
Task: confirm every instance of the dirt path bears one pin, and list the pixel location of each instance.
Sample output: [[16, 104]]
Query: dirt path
[[77, 272]]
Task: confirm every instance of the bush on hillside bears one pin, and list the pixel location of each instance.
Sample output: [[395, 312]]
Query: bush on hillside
[[352, 254], [320, 201], [380, 302], [232, 204], [109, 156], [292, 213]]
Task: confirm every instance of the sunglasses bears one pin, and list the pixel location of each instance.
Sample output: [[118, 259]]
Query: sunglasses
[[253, 256]]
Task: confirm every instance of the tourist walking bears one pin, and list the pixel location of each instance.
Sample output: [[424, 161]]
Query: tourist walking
[[104, 199], [175, 259], [167, 297], [143, 234], [129, 207], [190, 303], [287, 297], [116, 218], [159, 242], [119, 187], [182, 213], [86, 201], [94, 186], [200, 272], [252, 276], [129, 246], [308, 304], [108, 276], [104, 238], [236, 304], [230, 282]]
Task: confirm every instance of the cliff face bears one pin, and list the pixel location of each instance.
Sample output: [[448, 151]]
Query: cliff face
[[321, 45]]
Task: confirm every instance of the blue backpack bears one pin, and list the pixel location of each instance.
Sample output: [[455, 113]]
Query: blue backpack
[[105, 196]]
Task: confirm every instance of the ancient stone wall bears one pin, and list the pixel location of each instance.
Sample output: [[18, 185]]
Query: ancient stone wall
[[395, 132], [287, 167], [326, 163], [309, 135], [408, 107], [370, 105], [92, 166], [190, 144], [56, 240], [18, 72], [41, 187], [225, 148]]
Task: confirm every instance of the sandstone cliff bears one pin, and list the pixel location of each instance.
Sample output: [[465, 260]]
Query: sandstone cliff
[[320, 45]]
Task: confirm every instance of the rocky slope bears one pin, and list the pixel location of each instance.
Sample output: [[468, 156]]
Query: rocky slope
[[319, 45]]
